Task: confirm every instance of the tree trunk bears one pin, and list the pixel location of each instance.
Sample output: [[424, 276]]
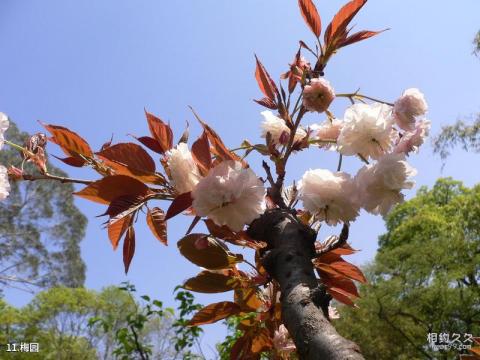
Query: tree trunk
[[288, 259]]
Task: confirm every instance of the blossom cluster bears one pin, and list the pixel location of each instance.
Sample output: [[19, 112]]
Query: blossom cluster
[[4, 184], [382, 136]]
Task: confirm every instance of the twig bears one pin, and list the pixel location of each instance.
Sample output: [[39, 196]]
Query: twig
[[62, 179]]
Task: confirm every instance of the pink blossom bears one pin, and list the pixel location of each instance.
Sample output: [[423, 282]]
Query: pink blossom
[[367, 130], [379, 185], [4, 123], [333, 313], [411, 141], [230, 195], [318, 95], [277, 128], [328, 131], [4, 184], [183, 171], [330, 196], [282, 341], [410, 105]]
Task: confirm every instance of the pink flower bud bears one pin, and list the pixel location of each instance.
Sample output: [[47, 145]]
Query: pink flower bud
[[318, 95]]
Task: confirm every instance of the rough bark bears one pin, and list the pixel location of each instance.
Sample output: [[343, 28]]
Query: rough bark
[[288, 260]]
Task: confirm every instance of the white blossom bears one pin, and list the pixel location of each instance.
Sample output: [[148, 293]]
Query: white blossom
[[282, 341], [318, 95], [4, 123], [327, 131], [411, 141], [380, 184], [230, 195], [367, 130], [410, 105], [333, 313], [183, 171], [278, 129], [330, 196], [4, 184]]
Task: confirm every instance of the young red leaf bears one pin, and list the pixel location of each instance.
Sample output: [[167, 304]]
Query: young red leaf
[[218, 147], [150, 143], [211, 282], [214, 312], [340, 296], [268, 103], [157, 224], [339, 283], [124, 204], [207, 252], [311, 16], [265, 82], [340, 21], [359, 36], [117, 228], [130, 154], [201, 153], [109, 188], [72, 161], [71, 143], [160, 131], [349, 270], [128, 248], [181, 203]]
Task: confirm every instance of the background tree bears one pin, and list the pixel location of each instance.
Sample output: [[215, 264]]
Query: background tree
[[40, 228], [76, 323], [460, 133], [424, 279]]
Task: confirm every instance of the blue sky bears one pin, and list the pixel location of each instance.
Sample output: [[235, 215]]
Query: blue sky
[[94, 65]]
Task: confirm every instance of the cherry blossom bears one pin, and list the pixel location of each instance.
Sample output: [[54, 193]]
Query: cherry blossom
[[411, 141], [318, 95], [410, 105], [230, 195], [278, 129], [4, 123], [183, 171], [380, 184], [4, 184], [367, 131], [330, 196]]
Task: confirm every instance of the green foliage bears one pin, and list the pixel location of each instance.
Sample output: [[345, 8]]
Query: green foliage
[[40, 228], [425, 277], [134, 340], [460, 133], [225, 347], [76, 323]]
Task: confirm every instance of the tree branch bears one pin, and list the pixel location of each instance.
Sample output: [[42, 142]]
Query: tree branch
[[288, 259]]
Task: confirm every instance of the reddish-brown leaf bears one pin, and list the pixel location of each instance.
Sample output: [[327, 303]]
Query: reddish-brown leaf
[[124, 203], [218, 147], [109, 188], [340, 21], [157, 224], [268, 103], [211, 282], [128, 248], [181, 203], [72, 161], [340, 296], [131, 155], [117, 228], [201, 153], [265, 82], [340, 283], [359, 36], [241, 349], [207, 252], [248, 299], [237, 238], [349, 270], [71, 143], [261, 341], [214, 312], [150, 143], [160, 131], [311, 16]]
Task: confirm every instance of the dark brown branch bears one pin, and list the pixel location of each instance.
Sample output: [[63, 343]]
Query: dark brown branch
[[288, 259]]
